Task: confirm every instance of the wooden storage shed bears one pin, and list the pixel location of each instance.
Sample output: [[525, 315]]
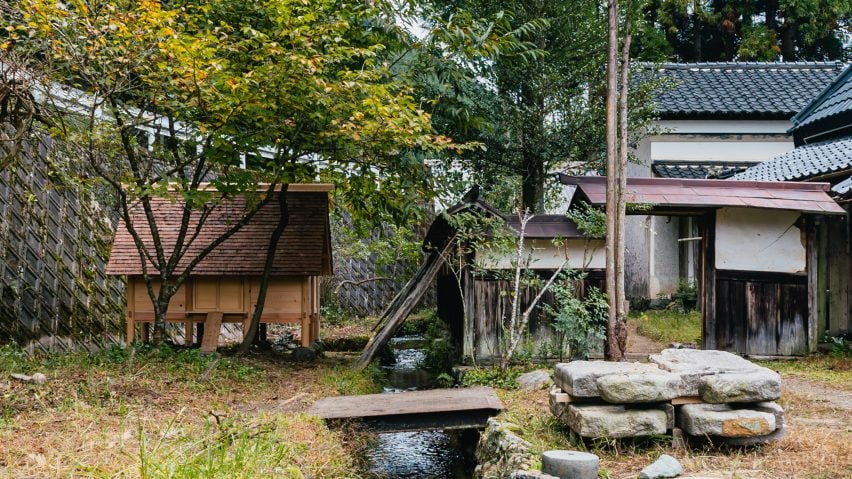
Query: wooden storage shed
[[758, 273], [224, 286], [476, 317]]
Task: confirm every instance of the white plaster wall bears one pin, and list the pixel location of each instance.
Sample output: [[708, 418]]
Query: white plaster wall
[[638, 230], [669, 148], [546, 254], [665, 256], [751, 239], [740, 127]]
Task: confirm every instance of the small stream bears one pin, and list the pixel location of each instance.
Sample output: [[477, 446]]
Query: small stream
[[422, 454]]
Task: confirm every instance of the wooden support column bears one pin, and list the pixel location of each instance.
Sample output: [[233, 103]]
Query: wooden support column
[[816, 294], [128, 313], [212, 329], [315, 308], [187, 333], [306, 316], [708, 281]]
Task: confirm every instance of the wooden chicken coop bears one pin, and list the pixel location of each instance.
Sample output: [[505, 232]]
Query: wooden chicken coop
[[224, 286]]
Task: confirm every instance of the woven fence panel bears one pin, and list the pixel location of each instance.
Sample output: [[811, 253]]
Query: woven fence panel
[[54, 242]]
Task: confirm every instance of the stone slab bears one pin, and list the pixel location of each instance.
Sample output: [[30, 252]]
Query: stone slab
[[773, 408], [759, 385], [723, 421], [642, 387], [579, 378], [695, 364], [774, 436], [613, 421]]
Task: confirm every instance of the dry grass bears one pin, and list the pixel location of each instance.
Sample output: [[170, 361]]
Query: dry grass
[[819, 444], [153, 415], [831, 371]]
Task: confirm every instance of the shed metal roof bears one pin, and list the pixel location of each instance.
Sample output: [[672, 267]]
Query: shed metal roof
[[304, 248], [663, 193], [807, 161], [771, 90]]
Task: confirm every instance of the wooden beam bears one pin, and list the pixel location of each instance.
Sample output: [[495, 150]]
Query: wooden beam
[[404, 303], [815, 252], [212, 329]]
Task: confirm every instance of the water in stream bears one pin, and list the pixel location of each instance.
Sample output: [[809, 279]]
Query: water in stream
[[422, 454]]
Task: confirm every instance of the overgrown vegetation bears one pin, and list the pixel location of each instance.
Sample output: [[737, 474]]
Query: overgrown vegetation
[[170, 412], [669, 326], [579, 319]]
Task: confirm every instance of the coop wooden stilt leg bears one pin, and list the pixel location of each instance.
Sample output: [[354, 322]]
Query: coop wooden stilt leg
[[306, 330], [212, 329], [187, 333], [131, 330]]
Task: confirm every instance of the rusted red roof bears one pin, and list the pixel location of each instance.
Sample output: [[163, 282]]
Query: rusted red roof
[[661, 193], [304, 248]]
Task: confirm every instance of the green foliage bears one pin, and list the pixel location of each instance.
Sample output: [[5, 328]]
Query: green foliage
[[347, 381], [440, 355], [590, 220], [841, 347], [493, 376], [668, 326], [686, 296], [230, 448], [579, 318]]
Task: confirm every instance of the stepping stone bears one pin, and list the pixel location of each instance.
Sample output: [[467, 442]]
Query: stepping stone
[[614, 421], [570, 464], [664, 466], [579, 378], [721, 420], [639, 387], [755, 386]]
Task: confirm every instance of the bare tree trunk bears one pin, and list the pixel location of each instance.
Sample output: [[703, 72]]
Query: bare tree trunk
[[620, 296], [611, 352], [283, 220]]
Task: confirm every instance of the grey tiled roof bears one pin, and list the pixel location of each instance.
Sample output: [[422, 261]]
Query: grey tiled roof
[[844, 188], [808, 161], [834, 100], [731, 90], [697, 170]]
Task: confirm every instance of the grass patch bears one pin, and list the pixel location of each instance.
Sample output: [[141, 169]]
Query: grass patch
[[668, 326], [832, 371], [171, 412]]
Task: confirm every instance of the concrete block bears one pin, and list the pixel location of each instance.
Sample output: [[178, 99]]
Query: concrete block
[[723, 421], [614, 421], [570, 464]]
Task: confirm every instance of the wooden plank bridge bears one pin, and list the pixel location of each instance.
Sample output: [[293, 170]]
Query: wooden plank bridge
[[466, 408]]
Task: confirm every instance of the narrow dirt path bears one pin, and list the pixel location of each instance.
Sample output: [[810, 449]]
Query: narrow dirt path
[[816, 392], [638, 346]]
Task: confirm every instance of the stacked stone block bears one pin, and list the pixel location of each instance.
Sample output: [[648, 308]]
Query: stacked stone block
[[683, 392]]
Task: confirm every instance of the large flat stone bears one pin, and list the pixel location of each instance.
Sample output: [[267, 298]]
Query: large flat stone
[[759, 385], [723, 421], [770, 407], [694, 364], [579, 378], [614, 421], [642, 387], [774, 436]]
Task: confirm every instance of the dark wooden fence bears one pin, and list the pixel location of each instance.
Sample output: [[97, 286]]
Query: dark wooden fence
[[54, 241]]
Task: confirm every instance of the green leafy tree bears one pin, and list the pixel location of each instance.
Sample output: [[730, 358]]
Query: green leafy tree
[[296, 88]]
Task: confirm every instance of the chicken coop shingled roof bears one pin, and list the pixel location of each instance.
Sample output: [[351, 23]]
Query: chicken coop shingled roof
[[740, 90], [304, 248]]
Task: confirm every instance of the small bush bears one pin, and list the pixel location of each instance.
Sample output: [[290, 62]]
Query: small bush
[[494, 377]]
